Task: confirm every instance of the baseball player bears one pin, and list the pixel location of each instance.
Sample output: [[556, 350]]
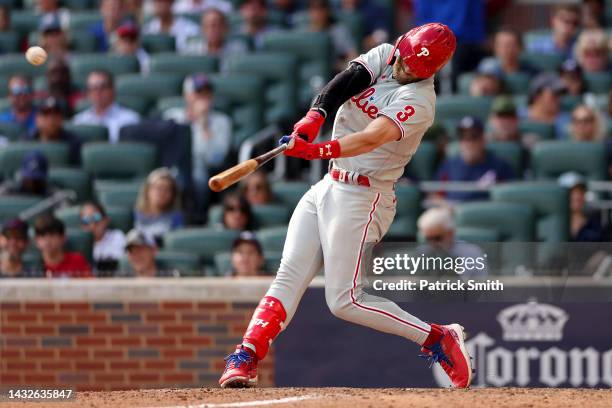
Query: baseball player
[[385, 101]]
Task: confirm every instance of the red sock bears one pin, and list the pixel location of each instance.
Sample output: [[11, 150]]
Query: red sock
[[434, 336], [265, 325]]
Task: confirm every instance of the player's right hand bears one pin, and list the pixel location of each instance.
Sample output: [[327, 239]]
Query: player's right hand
[[308, 127]]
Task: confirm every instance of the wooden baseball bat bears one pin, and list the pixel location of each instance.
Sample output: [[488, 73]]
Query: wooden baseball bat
[[234, 174]]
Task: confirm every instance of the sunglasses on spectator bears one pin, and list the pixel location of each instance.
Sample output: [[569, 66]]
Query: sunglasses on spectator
[[91, 219], [17, 90]]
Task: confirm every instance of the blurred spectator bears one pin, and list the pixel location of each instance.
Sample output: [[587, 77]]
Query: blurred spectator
[[254, 22], [200, 6], [211, 132], [213, 39], [321, 20], [21, 97], [50, 128], [593, 13], [109, 244], [134, 10], [166, 23], [52, 37], [565, 23], [60, 86], [141, 251], [50, 240], [32, 178], [45, 7], [503, 121], [287, 9], [486, 83], [467, 20], [104, 109], [158, 205], [5, 19], [256, 188], [585, 225], [586, 125], [113, 12], [474, 162], [544, 102], [592, 51], [571, 77], [237, 213], [247, 256], [127, 42], [374, 19], [14, 243], [507, 48]]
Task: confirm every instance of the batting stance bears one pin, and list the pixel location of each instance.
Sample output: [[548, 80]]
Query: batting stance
[[385, 101]]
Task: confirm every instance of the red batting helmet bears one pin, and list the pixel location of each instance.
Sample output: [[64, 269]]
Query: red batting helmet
[[425, 49]]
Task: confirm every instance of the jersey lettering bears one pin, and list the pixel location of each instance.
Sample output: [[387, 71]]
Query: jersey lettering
[[403, 116], [362, 103]]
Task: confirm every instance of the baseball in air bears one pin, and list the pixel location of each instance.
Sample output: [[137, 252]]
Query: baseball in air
[[36, 55]]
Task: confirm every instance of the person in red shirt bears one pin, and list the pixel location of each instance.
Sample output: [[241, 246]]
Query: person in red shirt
[[50, 240]]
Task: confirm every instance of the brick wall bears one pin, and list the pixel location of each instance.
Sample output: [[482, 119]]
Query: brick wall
[[91, 345]]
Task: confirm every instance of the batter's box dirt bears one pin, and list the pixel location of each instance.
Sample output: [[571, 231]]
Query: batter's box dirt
[[334, 397]]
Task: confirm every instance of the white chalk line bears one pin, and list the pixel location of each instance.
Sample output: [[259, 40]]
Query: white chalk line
[[249, 403]]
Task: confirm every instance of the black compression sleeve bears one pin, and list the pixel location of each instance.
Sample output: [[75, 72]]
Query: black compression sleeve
[[343, 86]]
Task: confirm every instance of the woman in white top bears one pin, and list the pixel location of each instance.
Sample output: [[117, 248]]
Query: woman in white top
[[109, 244]]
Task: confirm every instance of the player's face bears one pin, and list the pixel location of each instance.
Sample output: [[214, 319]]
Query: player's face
[[401, 73]]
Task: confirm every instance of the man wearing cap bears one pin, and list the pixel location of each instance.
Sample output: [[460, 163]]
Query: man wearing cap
[[127, 42], [544, 102], [474, 162], [572, 78], [52, 37], [104, 109], [13, 243], [247, 256], [21, 97], [211, 131], [141, 251], [503, 121], [32, 176], [585, 224], [50, 128], [486, 82]]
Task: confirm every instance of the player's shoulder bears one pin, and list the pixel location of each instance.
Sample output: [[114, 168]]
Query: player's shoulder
[[382, 49]]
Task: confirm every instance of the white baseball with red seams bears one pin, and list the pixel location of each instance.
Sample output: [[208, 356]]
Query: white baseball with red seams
[[334, 220]]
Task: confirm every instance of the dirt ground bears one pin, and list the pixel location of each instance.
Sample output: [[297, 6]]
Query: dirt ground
[[334, 397]]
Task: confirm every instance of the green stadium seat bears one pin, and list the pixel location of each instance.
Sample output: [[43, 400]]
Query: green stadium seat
[[156, 43], [11, 131], [402, 228], [542, 131], [204, 242], [80, 4], [569, 102], [121, 217], [11, 155], [422, 166], [550, 159], [82, 64], [243, 95], [454, 107], [268, 215], [550, 201], [5, 103], [512, 153], [16, 63], [531, 36], [9, 42], [88, 133], [70, 216], [101, 186], [73, 179], [543, 62], [169, 102], [313, 51], [135, 103], [121, 199], [474, 234], [464, 81], [119, 160], [598, 82], [187, 264], [149, 88], [408, 206], [272, 238], [289, 193], [512, 221], [279, 71], [516, 83], [83, 20], [354, 22], [24, 21], [215, 215], [80, 241], [183, 64], [12, 205]]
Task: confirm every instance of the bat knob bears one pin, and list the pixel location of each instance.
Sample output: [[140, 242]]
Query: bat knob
[[215, 184]]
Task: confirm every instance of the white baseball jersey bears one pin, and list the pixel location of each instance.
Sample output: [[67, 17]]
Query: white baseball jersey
[[411, 107]]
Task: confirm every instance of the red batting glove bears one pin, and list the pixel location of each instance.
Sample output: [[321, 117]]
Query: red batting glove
[[311, 151], [309, 125]]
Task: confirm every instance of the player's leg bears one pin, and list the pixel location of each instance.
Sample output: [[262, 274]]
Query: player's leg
[[365, 219], [302, 259]]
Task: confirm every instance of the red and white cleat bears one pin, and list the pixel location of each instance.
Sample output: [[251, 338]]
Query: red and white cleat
[[451, 354], [240, 369]]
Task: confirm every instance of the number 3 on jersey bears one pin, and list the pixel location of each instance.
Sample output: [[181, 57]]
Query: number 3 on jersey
[[405, 114]]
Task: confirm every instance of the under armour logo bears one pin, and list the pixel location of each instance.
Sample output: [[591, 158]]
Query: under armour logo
[[424, 52], [329, 152], [268, 303]]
